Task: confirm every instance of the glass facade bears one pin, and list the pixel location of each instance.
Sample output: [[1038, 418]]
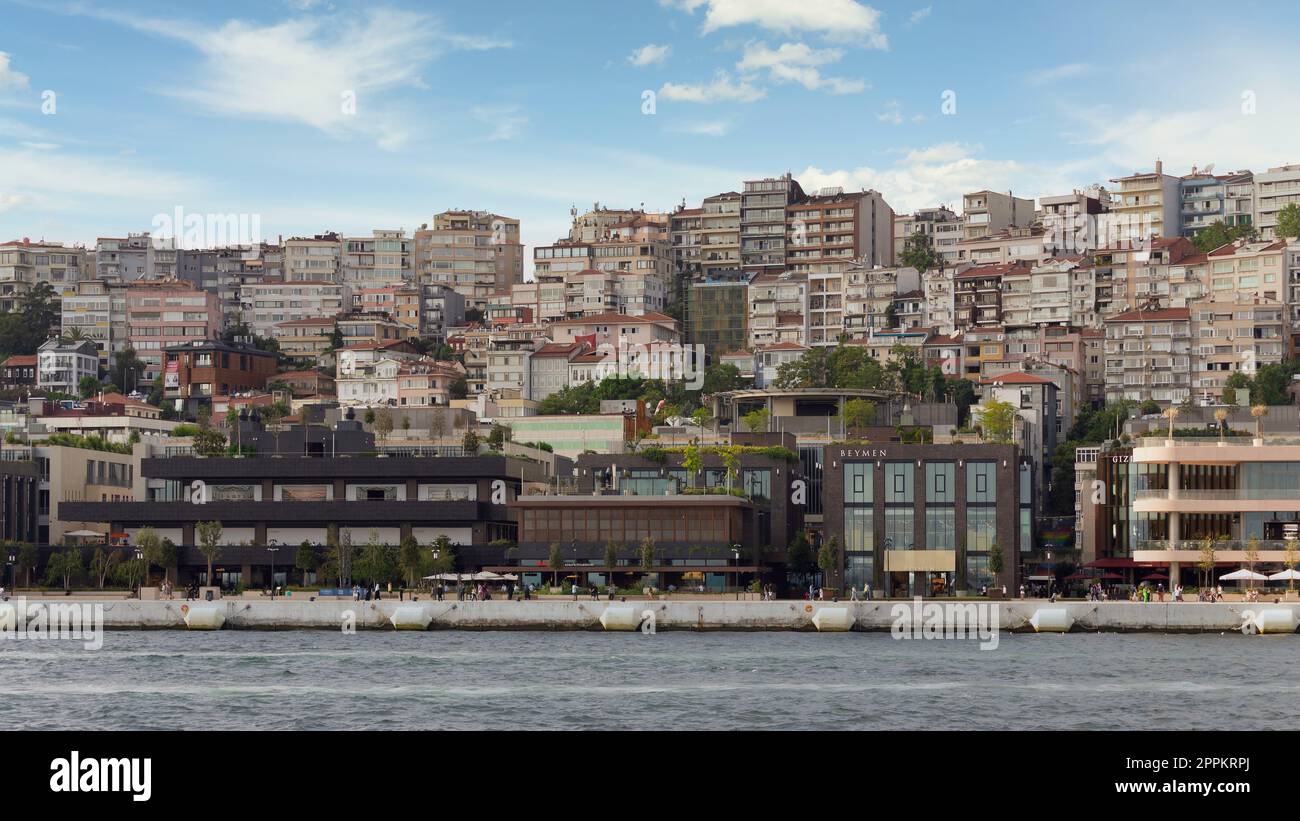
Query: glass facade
[[940, 483], [858, 483], [899, 528], [981, 529], [981, 482], [899, 482], [632, 524], [940, 528]]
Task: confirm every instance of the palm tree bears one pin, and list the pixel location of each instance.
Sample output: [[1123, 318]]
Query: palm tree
[[1171, 413], [1259, 412], [1221, 417]]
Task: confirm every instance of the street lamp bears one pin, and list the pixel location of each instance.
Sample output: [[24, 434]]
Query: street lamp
[[144, 571], [735, 551], [272, 550], [13, 571]]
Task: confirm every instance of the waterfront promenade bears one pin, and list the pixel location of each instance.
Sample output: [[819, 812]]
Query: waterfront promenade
[[707, 614]]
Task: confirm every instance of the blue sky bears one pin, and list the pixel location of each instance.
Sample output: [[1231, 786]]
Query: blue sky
[[527, 108]]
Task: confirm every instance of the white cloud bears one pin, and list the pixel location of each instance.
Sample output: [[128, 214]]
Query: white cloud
[[716, 128], [893, 113], [1058, 73], [919, 15], [10, 78], [649, 55], [40, 146], [942, 174], [797, 62], [845, 20], [507, 122], [720, 89], [306, 70], [11, 202], [59, 181]]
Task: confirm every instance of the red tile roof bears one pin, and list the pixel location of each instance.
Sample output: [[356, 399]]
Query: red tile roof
[[1016, 378], [18, 361]]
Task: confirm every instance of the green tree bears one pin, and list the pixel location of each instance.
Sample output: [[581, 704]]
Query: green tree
[[995, 562], [209, 539], [647, 553], [1288, 222], [1217, 234], [858, 413], [700, 418], [812, 370], [798, 556], [28, 556], [555, 561], [962, 394], [413, 560], [611, 561], [692, 463], [383, 424], [470, 442], [64, 568], [721, 378], [918, 253], [1206, 561], [757, 421], [828, 560], [306, 559], [168, 557], [102, 564], [38, 305], [150, 545], [88, 386], [209, 442], [997, 420]]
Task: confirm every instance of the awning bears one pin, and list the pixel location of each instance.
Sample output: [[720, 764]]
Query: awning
[[1041, 578], [1112, 563]]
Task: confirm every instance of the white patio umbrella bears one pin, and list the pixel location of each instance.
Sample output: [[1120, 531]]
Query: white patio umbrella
[[1285, 575], [1243, 575], [84, 534]]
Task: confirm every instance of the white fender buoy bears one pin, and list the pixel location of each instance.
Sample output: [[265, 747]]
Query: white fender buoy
[[1051, 620], [411, 618], [619, 618], [204, 618], [833, 619], [1274, 620]]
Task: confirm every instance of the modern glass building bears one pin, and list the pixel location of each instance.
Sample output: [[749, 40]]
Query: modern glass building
[[925, 519]]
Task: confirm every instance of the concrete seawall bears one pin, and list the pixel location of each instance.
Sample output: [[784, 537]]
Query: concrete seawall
[[1015, 616]]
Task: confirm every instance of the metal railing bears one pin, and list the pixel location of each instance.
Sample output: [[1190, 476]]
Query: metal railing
[[1213, 441], [1257, 494], [1220, 545]]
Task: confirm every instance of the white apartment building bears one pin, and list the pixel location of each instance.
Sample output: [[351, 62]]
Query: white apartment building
[[267, 304], [987, 212], [61, 365], [1142, 205], [1274, 190], [313, 259], [1148, 355], [1234, 333], [778, 309], [379, 260]]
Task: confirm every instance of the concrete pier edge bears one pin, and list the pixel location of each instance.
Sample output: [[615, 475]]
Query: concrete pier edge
[[874, 616]]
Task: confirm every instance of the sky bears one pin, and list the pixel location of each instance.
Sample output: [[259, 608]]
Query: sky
[[334, 116]]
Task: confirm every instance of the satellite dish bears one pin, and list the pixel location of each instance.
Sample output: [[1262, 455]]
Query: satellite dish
[[1209, 169]]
